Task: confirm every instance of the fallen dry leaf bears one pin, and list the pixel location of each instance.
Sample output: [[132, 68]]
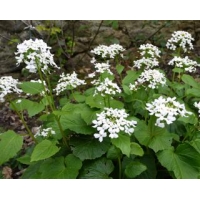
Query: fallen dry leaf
[[7, 172]]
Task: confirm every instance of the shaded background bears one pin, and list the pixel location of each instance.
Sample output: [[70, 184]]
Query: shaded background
[[72, 40]]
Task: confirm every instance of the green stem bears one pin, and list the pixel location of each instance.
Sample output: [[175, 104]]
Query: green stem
[[120, 167], [104, 99], [52, 106], [108, 97], [50, 92], [61, 130], [23, 122], [72, 93], [45, 91]]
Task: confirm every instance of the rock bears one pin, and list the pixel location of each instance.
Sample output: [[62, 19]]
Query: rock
[[87, 35], [79, 61]]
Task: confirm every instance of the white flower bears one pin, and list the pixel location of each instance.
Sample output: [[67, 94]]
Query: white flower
[[197, 105], [112, 121], [146, 63], [8, 85], [68, 81], [153, 78], [149, 50], [45, 132], [102, 67], [19, 101], [106, 87], [185, 63], [92, 75], [181, 39], [166, 110], [93, 60], [108, 52], [34, 53]]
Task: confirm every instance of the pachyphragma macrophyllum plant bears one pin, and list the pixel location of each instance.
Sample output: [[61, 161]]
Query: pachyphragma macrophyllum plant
[[117, 122]]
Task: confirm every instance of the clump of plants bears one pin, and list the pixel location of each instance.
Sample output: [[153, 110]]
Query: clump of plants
[[116, 123]]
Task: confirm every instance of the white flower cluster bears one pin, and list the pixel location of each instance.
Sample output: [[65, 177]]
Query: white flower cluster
[[149, 50], [8, 85], [108, 52], [153, 78], [112, 121], [185, 63], [106, 87], [149, 59], [100, 68], [166, 110], [146, 63], [68, 81], [32, 51], [197, 105], [181, 39], [45, 132], [45, 85]]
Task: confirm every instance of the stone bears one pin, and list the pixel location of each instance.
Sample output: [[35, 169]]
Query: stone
[[87, 34]]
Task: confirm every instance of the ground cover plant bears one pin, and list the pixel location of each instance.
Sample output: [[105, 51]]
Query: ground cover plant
[[114, 123]]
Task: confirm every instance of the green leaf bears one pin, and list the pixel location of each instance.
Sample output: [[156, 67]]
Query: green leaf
[[89, 115], [63, 101], [89, 92], [178, 86], [113, 153], [116, 104], [75, 123], [178, 70], [32, 107], [55, 30], [126, 89], [193, 92], [25, 159], [119, 68], [95, 101], [115, 24], [97, 169], [88, 148], [32, 172], [71, 118], [161, 140], [10, 144], [191, 119], [73, 165], [43, 150], [149, 161], [46, 100], [196, 144], [136, 149], [142, 133], [32, 87], [134, 169], [130, 77], [98, 102], [53, 168], [70, 108], [184, 161], [78, 97], [123, 143], [156, 138], [60, 168], [190, 81]]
